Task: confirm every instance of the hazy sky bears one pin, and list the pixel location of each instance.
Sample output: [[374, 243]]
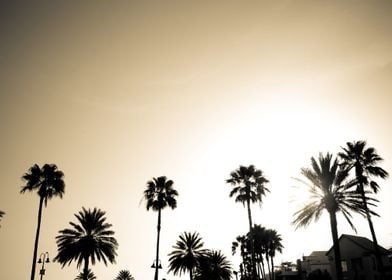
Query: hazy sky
[[118, 92]]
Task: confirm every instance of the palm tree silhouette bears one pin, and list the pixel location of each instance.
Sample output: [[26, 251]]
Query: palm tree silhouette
[[242, 242], [47, 182], [274, 244], [248, 186], [213, 266], [91, 239], [124, 275], [330, 190], [90, 275], [267, 243], [186, 253], [364, 160], [160, 194], [259, 236]]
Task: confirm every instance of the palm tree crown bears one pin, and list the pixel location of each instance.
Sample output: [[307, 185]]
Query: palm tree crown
[[124, 275], [160, 194], [186, 253], [213, 266], [47, 181], [89, 239], [249, 184], [330, 190], [365, 162]]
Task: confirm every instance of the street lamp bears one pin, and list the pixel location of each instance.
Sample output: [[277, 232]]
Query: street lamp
[[43, 261], [154, 264]]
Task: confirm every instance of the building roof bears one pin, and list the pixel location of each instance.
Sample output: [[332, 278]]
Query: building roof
[[363, 242], [318, 253]]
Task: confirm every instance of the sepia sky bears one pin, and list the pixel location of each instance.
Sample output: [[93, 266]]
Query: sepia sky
[[118, 92]]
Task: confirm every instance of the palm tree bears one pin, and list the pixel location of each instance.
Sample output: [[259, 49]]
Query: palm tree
[[47, 182], [90, 239], [364, 160], [124, 275], [274, 244], [160, 194], [186, 253], [2, 213], [213, 266], [242, 242], [82, 275], [259, 237], [330, 190], [248, 186]]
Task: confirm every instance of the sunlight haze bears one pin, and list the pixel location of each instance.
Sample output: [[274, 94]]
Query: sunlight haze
[[117, 92]]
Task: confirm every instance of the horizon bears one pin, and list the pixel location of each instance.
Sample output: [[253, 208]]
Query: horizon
[[116, 94]]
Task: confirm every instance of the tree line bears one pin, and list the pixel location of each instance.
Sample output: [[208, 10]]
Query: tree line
[[343, 183]]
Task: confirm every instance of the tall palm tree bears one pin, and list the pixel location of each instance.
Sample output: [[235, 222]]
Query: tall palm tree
[[124, 275], [330, 190], [159, 195], [90, 239], [48, 183], [364, 160], [213, 266], [186, 253], [248, 187], [82, 275]]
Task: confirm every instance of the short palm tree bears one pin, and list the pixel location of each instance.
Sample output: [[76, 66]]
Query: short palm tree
[[248, 187], [82, 275], [159, 195], [364, 160], [213, 266], [260, 240], [90, 239], [124, 275], [242, 242], [187, 251], [330, 190], [48, 183], [274, 244]]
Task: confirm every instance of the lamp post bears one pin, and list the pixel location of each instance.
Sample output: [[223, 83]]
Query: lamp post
[[156, 266], [42, 260]]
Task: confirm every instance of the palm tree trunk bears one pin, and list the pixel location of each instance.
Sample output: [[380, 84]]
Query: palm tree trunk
[[336, 246], [375, 243], [41, 201], [191, 274], [252, 243], [262, 264], [157, 253], [85, 270], [268, 266], [272, 268]]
